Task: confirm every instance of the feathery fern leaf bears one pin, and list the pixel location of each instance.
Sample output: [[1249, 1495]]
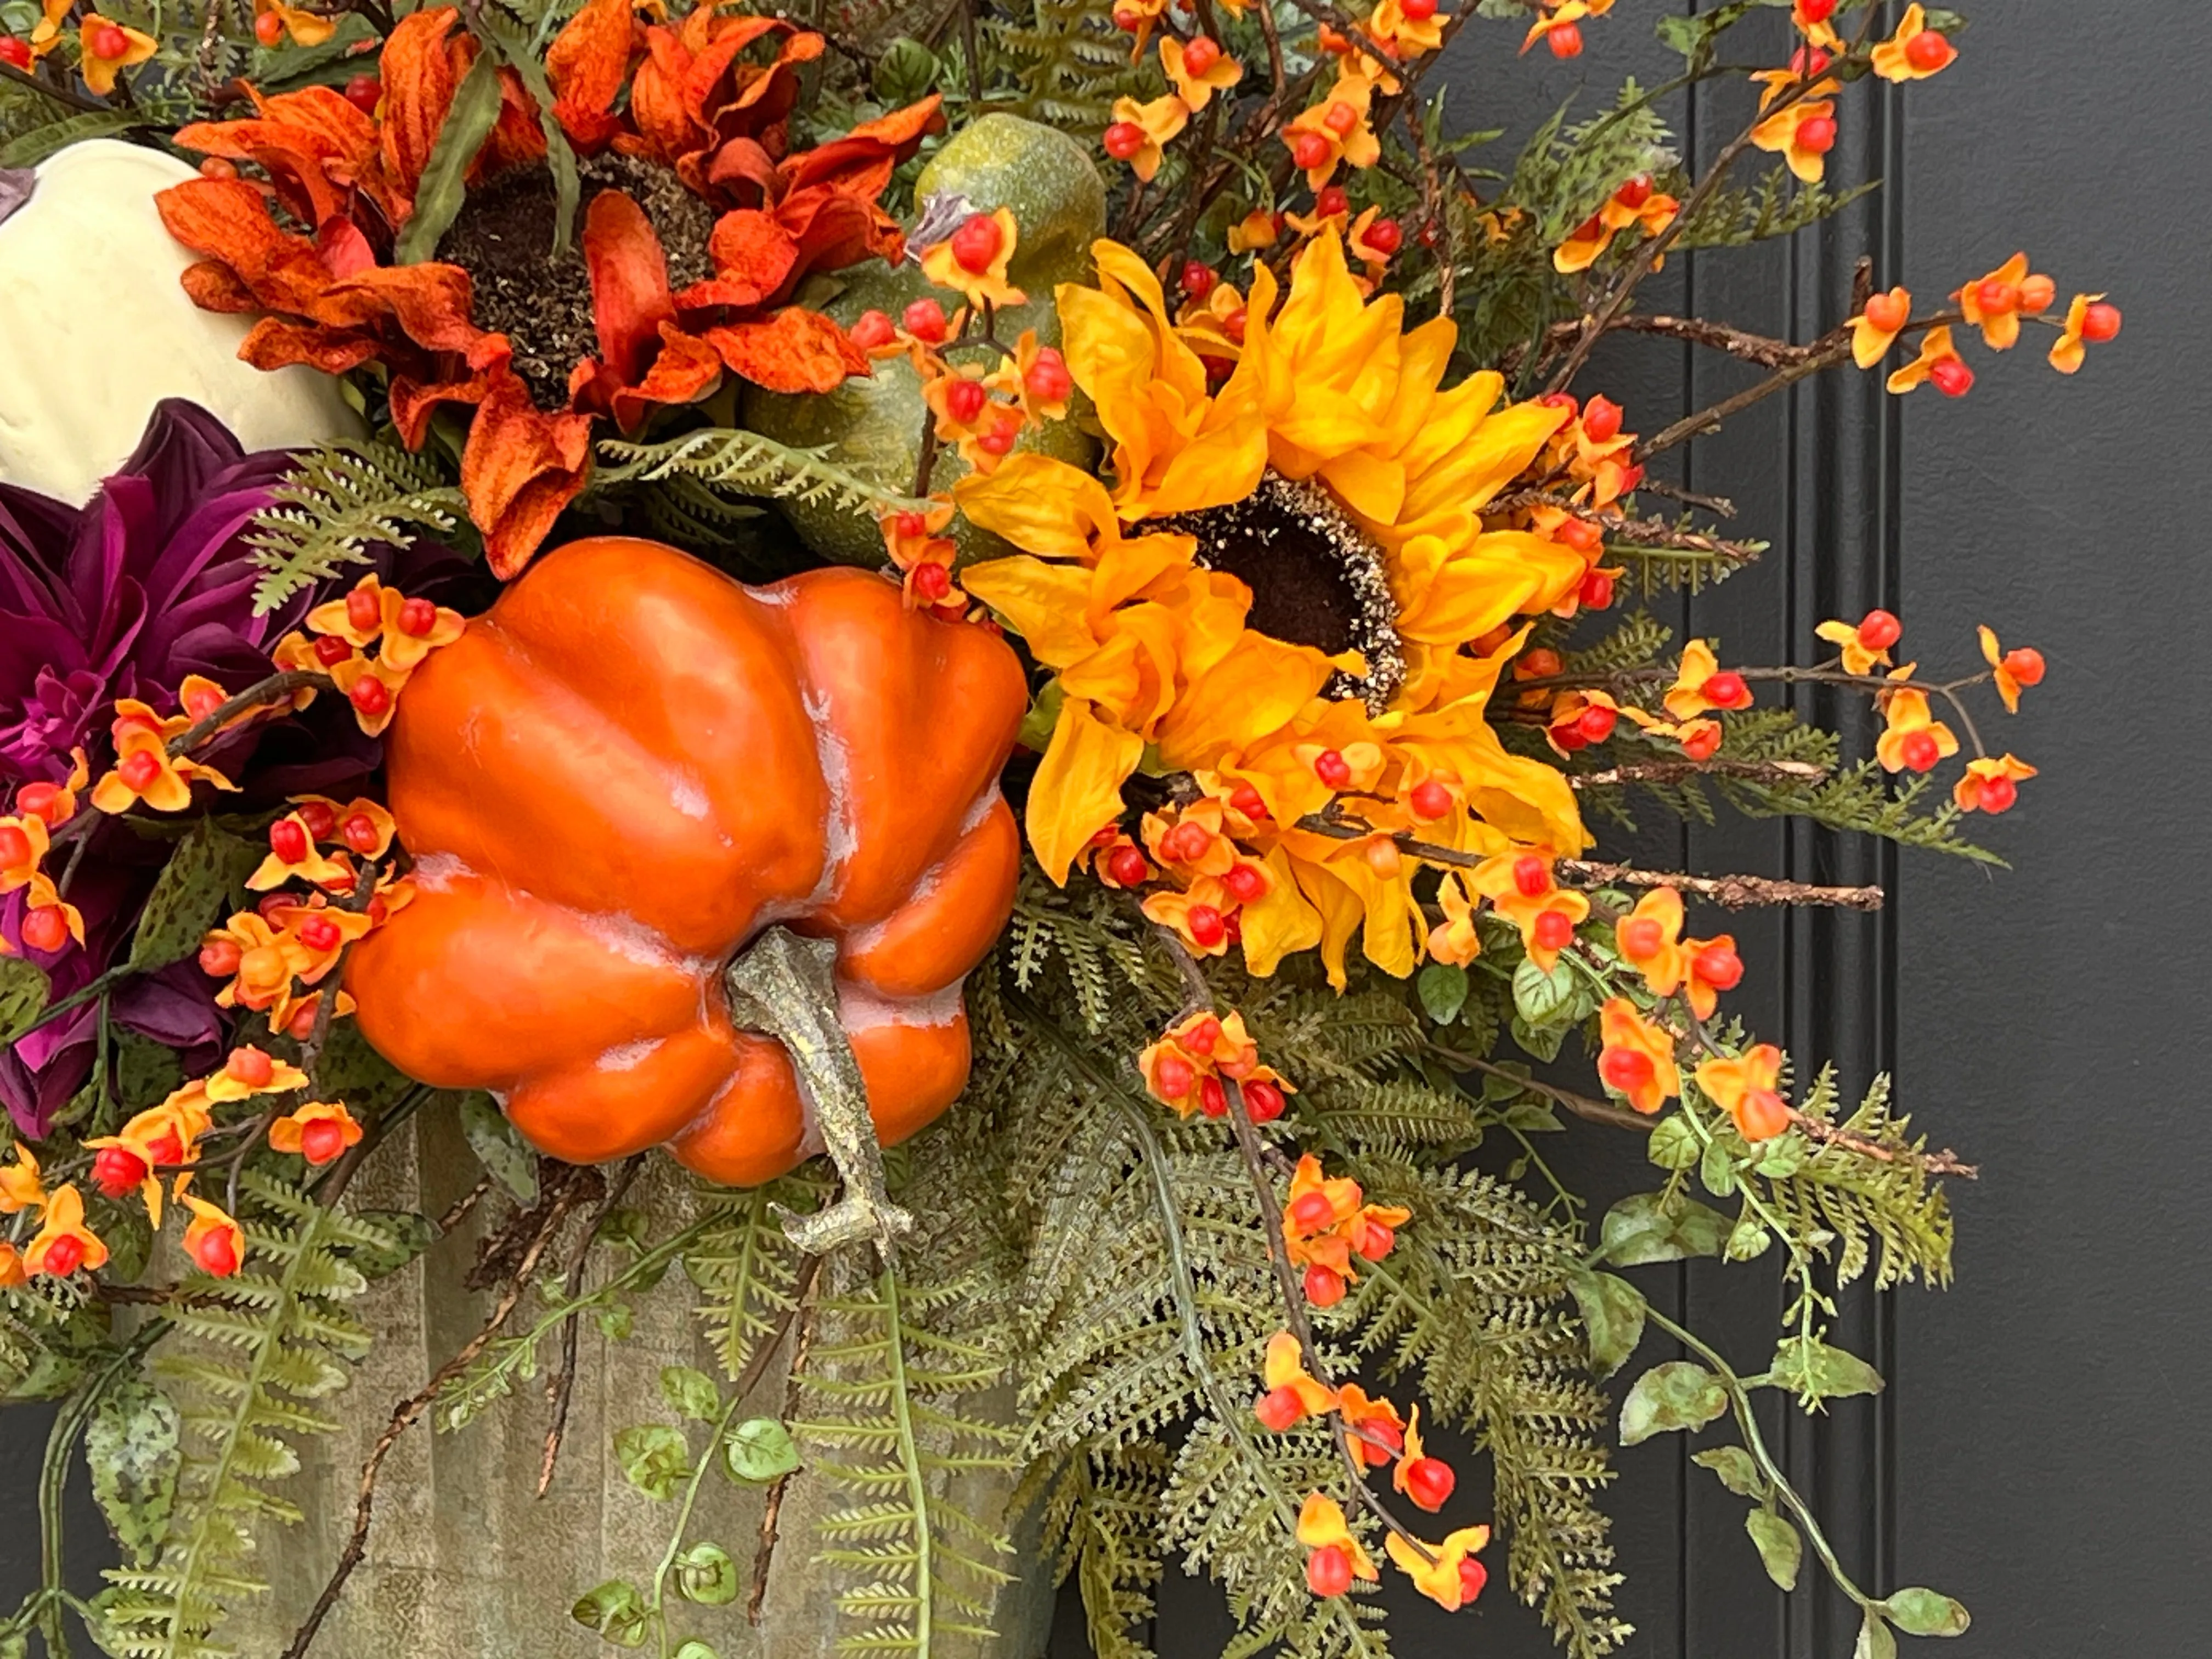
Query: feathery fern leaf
[[335, 505]]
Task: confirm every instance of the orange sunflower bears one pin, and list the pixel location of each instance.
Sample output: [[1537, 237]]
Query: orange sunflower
[[1282, 593], [698, 227]]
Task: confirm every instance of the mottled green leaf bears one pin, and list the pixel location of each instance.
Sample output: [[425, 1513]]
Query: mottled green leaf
[[1675, 1395], [499, 1146], [1674, 1144], [1780, 1549], [1543, 998], [1736, 1469], [133, 1449], [1653, 1227], [1813, 1371], [192, 895], [1613, 1312], [1875, 1640], [406, 1236], [1442, 987], [1922, 1612], [23, 993]]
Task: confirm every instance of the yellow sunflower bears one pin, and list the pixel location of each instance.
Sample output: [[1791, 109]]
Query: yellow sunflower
[[1292, 565]]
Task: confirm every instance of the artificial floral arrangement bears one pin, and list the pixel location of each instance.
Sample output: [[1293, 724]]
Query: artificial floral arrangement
[[1037, 584]]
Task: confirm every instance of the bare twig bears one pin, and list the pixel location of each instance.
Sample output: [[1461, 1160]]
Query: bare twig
[[772, 1508], [1734, 892], [1945, 1163], [562, 1385]]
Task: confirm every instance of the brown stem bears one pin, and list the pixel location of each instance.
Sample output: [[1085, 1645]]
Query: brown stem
[[563, 1384], [1734, 892], [1946, 1163], [1596, 1111], [277, 688], [772, 1509], [60, 94]]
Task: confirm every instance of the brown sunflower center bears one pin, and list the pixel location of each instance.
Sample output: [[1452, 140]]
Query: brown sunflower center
[[503, 238], [1316, 578]]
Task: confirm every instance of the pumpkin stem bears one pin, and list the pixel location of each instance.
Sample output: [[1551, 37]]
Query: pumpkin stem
[[786, 986]]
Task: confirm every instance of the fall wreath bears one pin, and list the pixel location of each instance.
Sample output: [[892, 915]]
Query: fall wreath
[[1007, 627]]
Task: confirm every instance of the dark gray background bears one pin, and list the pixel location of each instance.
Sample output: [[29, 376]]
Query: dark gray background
[[2041, 1452]]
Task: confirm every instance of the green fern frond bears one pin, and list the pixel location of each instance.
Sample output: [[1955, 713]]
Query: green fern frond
[[335, 505], [725, 463], [746, 1268], [881, 1416], [267, 1341]]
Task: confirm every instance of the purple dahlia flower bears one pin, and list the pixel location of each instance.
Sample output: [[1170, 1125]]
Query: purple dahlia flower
[[149, 581]]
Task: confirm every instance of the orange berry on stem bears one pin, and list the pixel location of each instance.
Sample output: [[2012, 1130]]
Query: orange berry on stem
[[1640, 938], [1419, 10], [1473, 1576], [1048, 379], [322, 1140], [1330, 202], [1198, 279], [1332, 768], [1279, 1408], [15, 845], [288, 839], [1634, 192], [1263, 1101], [117, 1170], [1201, 55], [1384, 236], [1952, 378], [1311, 1212], [216, 1253], [362, 93], [1245, 882], [38, 801], [268, 29], [370, 695], [1727, 690], [925, 320], [1127, 867], [1328, 1571], [1538, 665], [2100, 323], [1565, 41], [1172, 1076], [932, 582], [1212, 1098], [64, 1257], [1596, 593], [320, 817], [1720, 967], [1927, 50], [1429, 800], [977, 242], [1602, 419], [872, 329], [1919, 751], [1309, 150], [2036, 294], [1817, 133], [1879, 629], [1552, 931], [1888, 311], [1999, 794], [1429, 1482], [219, 957], [319, 933], [1207, 925], [250, 1067], [1532, 875], [1596, 723], [331, 650], [1762, 1116], [1375, 1239], [139, 767], [1324, 1285], [15, 51], [1123, 139], [2025, 664], [965, 400], [1627, 1069]]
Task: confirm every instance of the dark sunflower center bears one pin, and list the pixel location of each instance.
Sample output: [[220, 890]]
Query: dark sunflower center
[[503, 238], [1316, 578]]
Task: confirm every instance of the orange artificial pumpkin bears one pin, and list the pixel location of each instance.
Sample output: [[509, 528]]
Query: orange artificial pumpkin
[[629, 767]]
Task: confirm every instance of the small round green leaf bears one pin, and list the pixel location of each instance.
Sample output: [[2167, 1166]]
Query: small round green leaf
[[616, 1611], [1543, 998], [1613, 1312], [690, 1393], [758, 1450], [1654, 1227], [1443, 990], [1674, 1144], [1737, 1472], [705, 1574], [1875, 1640], [653, 1457]]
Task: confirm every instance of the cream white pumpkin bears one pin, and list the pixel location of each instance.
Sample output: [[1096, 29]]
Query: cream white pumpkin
[[98, 331]]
